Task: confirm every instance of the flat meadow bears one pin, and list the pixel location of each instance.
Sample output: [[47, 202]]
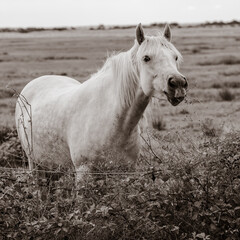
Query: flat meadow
[[190, 189], [211, 64]]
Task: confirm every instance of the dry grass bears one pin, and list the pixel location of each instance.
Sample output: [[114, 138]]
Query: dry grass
[[81, 52], [218, 60], [230, 84], [6, 93], [159, 124], [226, 95]]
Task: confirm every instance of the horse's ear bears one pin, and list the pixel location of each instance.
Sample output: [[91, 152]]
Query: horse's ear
[[140, 34], [167, 33]]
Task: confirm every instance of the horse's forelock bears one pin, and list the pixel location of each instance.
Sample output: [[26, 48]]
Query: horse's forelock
[[153, 43]]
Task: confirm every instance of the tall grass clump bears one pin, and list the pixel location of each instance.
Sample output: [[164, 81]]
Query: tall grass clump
[[226, 95], [159, 124], [6, 93], [216, 85], [192, 193], [232, 84], [4, 132], [11, 153], [210, 129]]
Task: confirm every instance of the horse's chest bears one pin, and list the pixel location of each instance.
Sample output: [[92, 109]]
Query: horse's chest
[[127, 144], [117, 155]]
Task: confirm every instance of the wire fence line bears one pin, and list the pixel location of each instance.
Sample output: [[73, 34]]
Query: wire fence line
[[45, 183], [24, 104], [80, 171], [152, 172]]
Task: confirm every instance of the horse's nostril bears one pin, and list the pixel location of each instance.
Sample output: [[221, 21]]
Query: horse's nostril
[[177, 82], [171, 82]]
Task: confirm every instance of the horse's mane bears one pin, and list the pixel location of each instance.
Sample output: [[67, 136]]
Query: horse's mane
[[125, 74], [124, 67]]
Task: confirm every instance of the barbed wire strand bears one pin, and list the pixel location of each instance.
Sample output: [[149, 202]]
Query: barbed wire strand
[[80, 171], [46, 185]]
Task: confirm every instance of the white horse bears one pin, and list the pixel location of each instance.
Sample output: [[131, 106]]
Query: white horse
[[71, 124]]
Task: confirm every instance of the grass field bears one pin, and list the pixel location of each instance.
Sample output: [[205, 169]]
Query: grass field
[[196, 193], [211, 63]]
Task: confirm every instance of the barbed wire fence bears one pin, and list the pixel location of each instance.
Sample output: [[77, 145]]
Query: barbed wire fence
[[25, 107], [152, 172], [106, 192], [32, 169]]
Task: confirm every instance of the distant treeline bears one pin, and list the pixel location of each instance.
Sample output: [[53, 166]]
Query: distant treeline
[[173, 24], [103, 27], [216, 23], [35, 29]]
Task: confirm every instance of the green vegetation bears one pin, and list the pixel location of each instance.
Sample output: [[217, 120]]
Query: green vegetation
[[190, 194]]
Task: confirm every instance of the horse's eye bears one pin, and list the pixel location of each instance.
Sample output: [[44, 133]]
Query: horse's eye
[[176, 58], [146, 58]]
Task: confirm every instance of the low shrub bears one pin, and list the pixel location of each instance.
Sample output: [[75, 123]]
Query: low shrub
[[227, 60], [64, 58], [159, 124], [216, 85], [195, 50], [34, 29], [4, 133], [233, 84], [6, 93], [184, 111], [226, 95], [11, 153], [189, 195], [231, 73], [210, 129]]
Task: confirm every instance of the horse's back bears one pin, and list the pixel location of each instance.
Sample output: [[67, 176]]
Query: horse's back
[[47, 84], [44, 92]]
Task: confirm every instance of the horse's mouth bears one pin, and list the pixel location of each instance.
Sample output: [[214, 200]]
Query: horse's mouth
[[173, 100]]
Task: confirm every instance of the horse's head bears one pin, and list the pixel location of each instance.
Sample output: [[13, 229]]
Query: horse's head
[[158, 61]]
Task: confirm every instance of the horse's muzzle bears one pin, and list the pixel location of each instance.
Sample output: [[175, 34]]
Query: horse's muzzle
[[174, 100], [177, 86]]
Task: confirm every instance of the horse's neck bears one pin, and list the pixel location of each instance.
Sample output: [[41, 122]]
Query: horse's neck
[[132, 100], [119, 81], [133, 114]]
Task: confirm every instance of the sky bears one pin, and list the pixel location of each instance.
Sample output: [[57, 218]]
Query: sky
[[55, 13]]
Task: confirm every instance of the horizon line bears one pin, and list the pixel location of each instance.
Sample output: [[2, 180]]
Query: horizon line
[[124, 24]]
